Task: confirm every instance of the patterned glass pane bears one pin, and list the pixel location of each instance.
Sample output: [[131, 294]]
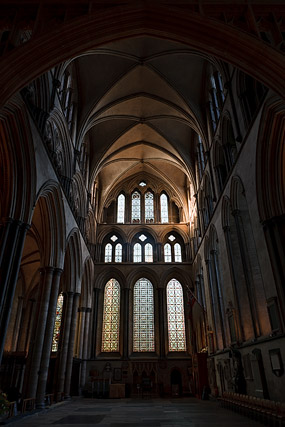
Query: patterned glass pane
[[57, 323], [108, 252], [111, 317], [177, 253], [118, 252], [136, 207], [143, 320], [175, 316], [149, 210], [137, 253], [148, 253], [167, 252], [121, 209], [164, 208]]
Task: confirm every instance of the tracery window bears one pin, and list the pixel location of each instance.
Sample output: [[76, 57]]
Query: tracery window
[[118, 252], [167, 252], [177, 253], [108, 252], [121, 209], [57, 323], [148, 253], [175, 316], [163, 208], [143, 316], [113, 249], [149, 208], [172, 249], [136, 207], [111, 317], [137, 252]]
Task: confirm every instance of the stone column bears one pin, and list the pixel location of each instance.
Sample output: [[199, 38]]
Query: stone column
[[161, 308], [247, 272], [159, 251], [43, 373], [82, 313], [85, 349], [126, 322], [240, 331], [220, 303], [64, 343], [69, 359], [96, 293], [17, 323], [12, 242], [37, 347]]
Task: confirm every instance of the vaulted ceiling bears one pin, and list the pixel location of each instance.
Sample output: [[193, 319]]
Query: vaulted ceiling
[[141, 102]]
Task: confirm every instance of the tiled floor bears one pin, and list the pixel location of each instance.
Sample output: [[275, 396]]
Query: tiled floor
[[136, 413]]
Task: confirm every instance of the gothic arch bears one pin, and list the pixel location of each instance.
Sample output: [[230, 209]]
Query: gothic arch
[[17, 163], [49, 199], [73, 262], [270, 154], [140, 272], [94, 29]]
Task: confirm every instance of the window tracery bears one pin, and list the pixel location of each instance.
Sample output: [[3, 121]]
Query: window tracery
[[57, 323], [111, 317], [121, 209], [163, 208], [136, 207], [143, 316], [175, 316]]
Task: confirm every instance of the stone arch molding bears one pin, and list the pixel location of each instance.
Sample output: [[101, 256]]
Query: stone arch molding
[[84, 33]]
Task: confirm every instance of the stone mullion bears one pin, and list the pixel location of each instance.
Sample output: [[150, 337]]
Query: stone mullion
[[69, 359], [126, 322], [64, 344], [162, 332], [44, 367], [96, 292]]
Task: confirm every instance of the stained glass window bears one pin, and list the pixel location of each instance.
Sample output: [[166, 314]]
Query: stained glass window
[[114, 238], [163, 208], [111, 317], [175, 316], [177, 253], [137, 253], [136, 207], [142, 237], [167, 252], [148, 253], [149, 210], [57, 323], [108, 252], [143, 316], [121, 209], [118, 252], [171, 238]]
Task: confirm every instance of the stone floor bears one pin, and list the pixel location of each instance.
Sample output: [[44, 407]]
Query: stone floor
[[136, 413]]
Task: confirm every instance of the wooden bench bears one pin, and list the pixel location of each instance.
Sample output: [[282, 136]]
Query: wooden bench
[[266, 411], [28, 405]]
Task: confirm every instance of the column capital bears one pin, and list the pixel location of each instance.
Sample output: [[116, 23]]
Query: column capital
[[58, 271], [48, 269]]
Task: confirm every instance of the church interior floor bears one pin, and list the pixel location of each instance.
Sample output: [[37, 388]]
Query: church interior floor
[[137, 413]]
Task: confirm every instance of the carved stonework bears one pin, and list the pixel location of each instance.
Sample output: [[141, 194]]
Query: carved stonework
[[53, 141]]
